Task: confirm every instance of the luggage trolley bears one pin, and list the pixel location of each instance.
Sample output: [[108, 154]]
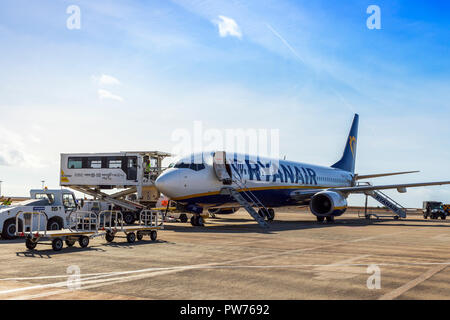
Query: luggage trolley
[[149, 222], [83, 226]]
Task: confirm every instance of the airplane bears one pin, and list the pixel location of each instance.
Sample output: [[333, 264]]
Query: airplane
[[207, 180]]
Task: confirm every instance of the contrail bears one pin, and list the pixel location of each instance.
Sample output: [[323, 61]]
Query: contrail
[[285, 43]]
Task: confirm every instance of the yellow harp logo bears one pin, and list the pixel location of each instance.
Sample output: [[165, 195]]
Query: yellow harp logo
[[352, 142]]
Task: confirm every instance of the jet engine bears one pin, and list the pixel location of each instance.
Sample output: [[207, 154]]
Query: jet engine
[[328, 203]]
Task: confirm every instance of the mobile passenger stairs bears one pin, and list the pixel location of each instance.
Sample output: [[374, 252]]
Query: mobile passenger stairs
[[243, 195], [134, 172], [84, 225], [397, 209]]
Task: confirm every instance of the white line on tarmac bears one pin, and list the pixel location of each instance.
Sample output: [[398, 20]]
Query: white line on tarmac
[[411, 284]]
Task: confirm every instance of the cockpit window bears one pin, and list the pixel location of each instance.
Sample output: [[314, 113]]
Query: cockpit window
[[192, 166]]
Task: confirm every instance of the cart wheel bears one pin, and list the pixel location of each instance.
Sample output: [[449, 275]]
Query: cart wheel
[[183, 217], [70, 243], [131, 237], [109, 236], [139, 235], [153, 235], [57, 244], [83, 241], [30, 244]]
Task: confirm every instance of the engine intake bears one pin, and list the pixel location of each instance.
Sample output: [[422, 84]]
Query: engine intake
[[328, 203]]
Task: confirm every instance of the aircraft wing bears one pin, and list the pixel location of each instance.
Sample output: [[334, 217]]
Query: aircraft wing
[[361, 189], [377, 175]]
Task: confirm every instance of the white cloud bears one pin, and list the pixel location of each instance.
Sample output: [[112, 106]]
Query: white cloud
[[105, 94], [228, 27], [106, 80], [14, 151]]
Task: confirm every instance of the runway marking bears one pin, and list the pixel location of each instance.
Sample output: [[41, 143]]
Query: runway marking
[[411, 284]]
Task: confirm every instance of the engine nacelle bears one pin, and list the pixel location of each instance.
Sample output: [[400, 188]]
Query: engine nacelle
[[328, 203]]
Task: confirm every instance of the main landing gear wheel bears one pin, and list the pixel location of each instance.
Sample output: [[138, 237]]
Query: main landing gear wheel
[[153, 235], [330, 219], [57, 244], [131, 237], [320, 219], [83, 241], [30, 244]]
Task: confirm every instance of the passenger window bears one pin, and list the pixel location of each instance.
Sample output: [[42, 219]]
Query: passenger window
[[75, 163], [95, 163], [115, 164]]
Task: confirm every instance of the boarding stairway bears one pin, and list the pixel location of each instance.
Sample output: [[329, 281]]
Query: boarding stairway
[[113, 198], [248, 204], [388, 202]]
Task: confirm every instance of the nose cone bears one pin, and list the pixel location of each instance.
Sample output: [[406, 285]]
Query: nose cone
[[166, 183]]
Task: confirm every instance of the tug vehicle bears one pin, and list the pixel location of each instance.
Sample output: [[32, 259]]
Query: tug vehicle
[[57, 204]]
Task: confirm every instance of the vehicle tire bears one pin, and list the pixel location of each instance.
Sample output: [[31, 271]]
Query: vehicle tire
[[57, 244], [200, 221], [109, 236], [194, 221], [9, 229], [153, 235], [54, 224], [83, 241], [396, 217], [443, 217], [70, 243], [271, 215], [320, 219], [131, 237], [425, 216], [183, 217], [128, 218], [139, 235], [30, 244]]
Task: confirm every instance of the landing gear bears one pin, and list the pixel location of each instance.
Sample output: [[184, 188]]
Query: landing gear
[[197, 220], [320, 219], [330, 219], [183, 217]]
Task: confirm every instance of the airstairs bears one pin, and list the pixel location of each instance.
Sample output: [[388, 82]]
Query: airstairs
[[245, 197], [388, 202]]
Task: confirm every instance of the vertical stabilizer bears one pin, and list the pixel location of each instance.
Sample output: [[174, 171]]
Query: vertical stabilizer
[[347, 161]]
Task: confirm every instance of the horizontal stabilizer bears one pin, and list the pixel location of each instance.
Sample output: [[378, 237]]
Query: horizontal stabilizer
[[367, 176]]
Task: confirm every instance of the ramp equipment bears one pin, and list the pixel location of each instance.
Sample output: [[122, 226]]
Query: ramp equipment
[[85, 225], [398, 210], [150, 221]]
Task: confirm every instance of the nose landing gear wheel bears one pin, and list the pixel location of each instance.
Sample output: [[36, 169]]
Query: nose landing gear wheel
[[131, 237], [57, 244], [83, 241], [197, 221]]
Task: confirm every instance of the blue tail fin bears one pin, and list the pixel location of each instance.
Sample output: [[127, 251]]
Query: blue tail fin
[[347, 161]]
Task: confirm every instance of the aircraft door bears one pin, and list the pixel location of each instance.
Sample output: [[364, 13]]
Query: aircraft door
[[131, 168], [221, 168]]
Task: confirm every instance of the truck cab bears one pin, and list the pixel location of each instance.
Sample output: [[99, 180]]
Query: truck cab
[[434, 210], [56, 203]]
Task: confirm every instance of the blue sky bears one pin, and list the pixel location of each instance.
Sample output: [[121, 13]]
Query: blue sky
[[303, 67]]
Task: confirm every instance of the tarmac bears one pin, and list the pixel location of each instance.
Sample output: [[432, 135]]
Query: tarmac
[[232, 258]]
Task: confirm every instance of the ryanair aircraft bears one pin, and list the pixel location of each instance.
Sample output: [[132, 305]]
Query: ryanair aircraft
[[222, 182]]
